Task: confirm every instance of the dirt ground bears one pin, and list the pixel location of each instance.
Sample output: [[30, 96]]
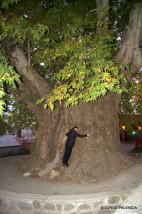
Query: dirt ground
[[12, 179]]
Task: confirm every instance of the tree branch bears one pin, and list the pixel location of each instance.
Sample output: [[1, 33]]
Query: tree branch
[[20, 62], [101, 6], [130, 52]]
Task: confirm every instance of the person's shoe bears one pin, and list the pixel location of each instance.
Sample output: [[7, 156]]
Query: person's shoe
[[66, 165]]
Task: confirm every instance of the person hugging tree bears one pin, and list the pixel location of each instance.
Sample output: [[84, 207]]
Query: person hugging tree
[[70, 142]]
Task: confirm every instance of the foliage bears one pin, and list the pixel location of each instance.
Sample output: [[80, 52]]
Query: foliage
[[78, 63], [131, 121], [131, 102], [8, 76], [119, 15], [4, 127], [19, 117], [20, 31], [4, 4], [90, 73], [130, 110]]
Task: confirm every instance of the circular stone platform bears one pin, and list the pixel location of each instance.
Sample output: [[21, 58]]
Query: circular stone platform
[[20, 195], [17, 203]]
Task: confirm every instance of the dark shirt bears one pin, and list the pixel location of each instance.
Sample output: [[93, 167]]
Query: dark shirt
[[72, 135]]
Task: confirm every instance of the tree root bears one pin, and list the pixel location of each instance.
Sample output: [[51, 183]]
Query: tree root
[[53, 169]]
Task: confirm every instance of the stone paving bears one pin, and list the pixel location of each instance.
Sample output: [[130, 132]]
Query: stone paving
[[17, 203]]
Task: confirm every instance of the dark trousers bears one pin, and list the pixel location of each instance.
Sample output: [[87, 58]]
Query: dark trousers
[[67, 154]]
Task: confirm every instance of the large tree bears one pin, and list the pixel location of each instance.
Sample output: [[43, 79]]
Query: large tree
[[70, 62]]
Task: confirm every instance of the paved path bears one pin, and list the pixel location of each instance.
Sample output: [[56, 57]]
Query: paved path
[[11, 178], [20, 195]]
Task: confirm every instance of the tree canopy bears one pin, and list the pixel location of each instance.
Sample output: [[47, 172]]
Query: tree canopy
[[60, 41]]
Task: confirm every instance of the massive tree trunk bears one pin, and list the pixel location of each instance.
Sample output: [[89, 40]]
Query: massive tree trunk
[[100, 155]]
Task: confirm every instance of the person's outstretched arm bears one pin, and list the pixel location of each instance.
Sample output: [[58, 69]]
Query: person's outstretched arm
[[81, 135]]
